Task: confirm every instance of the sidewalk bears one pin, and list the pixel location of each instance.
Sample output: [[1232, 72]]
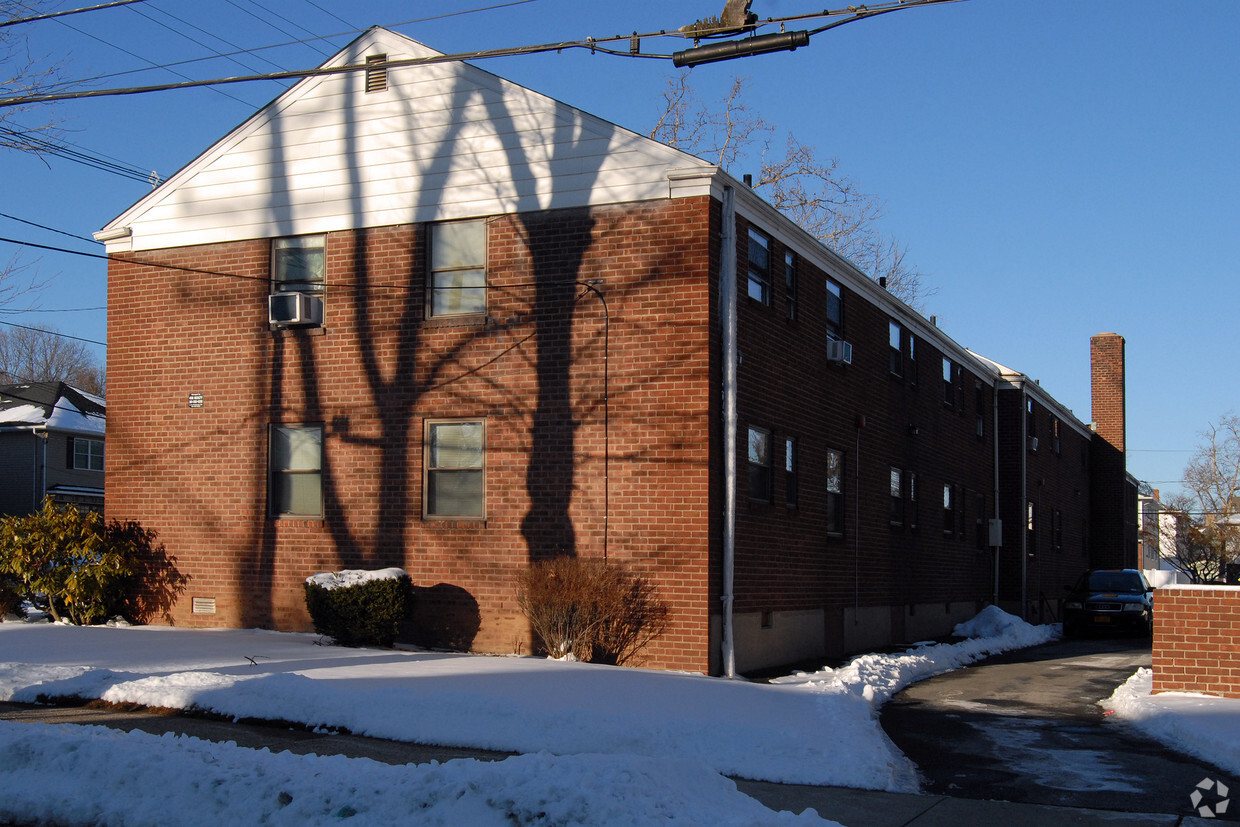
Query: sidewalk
[[854, 808]]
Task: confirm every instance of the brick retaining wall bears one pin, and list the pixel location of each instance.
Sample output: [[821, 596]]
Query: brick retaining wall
[[1197, 640]]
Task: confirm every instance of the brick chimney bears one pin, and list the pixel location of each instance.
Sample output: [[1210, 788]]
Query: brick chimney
[[1113, 498], [1106, 362]]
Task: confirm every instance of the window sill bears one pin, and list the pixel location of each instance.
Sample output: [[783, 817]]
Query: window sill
[[463, 321], [294, 332], [296, 522]]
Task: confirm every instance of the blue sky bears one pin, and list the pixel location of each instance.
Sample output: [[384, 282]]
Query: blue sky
[[1058, 169]]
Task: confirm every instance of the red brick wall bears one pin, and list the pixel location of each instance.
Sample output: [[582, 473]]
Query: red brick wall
[[1195, 634], [378, 369], [785, 560]]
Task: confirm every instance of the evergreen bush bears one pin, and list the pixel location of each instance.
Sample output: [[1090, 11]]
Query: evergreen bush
[[359, 611]]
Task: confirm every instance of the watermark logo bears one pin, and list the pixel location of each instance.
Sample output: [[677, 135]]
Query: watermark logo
[[1208, 790]]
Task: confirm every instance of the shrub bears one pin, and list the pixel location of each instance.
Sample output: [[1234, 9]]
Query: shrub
[[82, 567], [10, 598], [357, 608], [586, 609]]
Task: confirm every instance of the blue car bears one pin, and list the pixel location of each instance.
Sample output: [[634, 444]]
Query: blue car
[[1109, 600]]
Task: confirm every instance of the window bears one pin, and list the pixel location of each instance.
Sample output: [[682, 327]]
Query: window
[[983, 522], [1031, 420], [979, 402], [910, 364], [790, 471], [949, 510], [894, 337], [376, 73], [85, 454], [910, 508], [949, 388], [453, 484], [297, 264], [835, 492], [897, 497], [790, 284], [759, 465], [835, 311], [759, 266], [458, 280], [295, 464], [1031, 527], [1055, 442]]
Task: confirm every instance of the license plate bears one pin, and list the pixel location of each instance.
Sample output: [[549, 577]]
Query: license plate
[[1101, 619]]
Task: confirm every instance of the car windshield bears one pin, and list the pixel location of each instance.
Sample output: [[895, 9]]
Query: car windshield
[[1115, 581]]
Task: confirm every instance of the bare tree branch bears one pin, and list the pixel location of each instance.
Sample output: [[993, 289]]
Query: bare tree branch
[[30, 354], [809, 190]]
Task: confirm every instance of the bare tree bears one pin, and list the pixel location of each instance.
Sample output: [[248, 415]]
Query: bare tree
[[39, 354], [1207, 516], [811, 191], [24, 128]]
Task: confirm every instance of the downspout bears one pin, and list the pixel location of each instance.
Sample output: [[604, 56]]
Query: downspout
[[994, 398], [1024, 502], [727, 317]]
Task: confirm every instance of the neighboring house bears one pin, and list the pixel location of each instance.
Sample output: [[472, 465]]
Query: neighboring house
[[1157, 527], [421, 316], [51, 445]]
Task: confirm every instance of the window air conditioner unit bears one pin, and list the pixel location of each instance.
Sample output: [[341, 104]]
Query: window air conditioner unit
[[293, 308], [839, 351]]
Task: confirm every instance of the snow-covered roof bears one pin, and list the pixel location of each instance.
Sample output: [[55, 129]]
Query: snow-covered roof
[[54, 406]]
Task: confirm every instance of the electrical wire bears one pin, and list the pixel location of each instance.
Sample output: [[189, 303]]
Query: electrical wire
[[45, 227], [593, 44], [51, 15], [43, 146]]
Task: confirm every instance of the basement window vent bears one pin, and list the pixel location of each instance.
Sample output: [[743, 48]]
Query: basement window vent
[[376, 73], [204, 605]]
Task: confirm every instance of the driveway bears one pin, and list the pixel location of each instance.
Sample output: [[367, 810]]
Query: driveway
[[1026, 727]]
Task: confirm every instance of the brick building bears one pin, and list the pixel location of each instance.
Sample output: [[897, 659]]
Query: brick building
[[420, 316]]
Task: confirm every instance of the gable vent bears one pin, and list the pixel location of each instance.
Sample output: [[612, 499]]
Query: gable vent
[[376, 73]]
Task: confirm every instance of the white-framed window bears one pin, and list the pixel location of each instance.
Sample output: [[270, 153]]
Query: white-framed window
[[458, 269], [835, 311], [86, 454], [790, 471], [790, 284], [835, 492], [759, 266], [295, 471], [299, 264], [759, 464], [895, 350], [897, 497], [454, 469]]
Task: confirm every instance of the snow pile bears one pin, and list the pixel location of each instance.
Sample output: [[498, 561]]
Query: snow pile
[[95, 775], [353, 577], [1204, 726], [875, 678]]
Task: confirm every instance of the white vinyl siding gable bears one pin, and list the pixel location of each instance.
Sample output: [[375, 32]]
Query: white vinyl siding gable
[[444, 141]]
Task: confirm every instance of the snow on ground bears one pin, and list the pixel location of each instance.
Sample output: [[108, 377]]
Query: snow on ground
[[1203, 726], [604, 744]]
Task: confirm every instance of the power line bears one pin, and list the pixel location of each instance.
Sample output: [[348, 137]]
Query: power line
[[347, 33], [54, 333], [593, 44], [45, 227], [50, 15]]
